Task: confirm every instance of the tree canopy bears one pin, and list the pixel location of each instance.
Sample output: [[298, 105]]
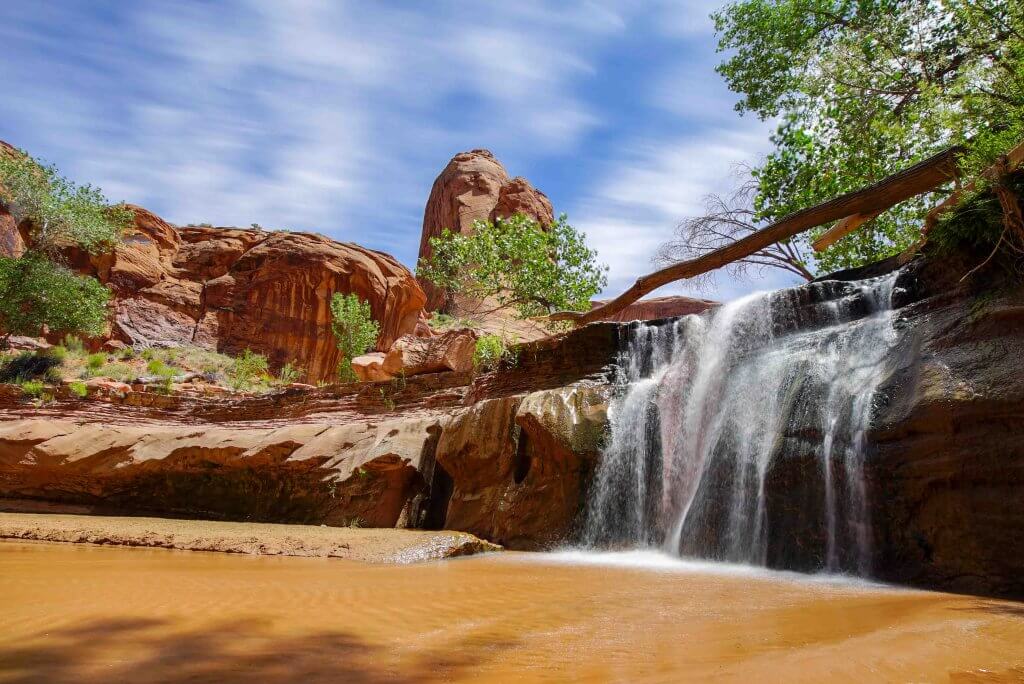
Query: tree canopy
[[518, 264], [37, 292], [60, 212], [862, 88]]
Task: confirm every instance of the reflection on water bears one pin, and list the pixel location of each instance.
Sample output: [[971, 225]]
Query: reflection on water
[[89, 614]]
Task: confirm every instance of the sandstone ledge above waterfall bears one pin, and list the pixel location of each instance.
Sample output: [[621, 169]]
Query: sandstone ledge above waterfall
[[366, 545]]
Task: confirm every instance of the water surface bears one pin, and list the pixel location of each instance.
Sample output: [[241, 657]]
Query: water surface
[[74, 613]]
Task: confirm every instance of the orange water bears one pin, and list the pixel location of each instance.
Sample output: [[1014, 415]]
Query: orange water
[[71, 613]]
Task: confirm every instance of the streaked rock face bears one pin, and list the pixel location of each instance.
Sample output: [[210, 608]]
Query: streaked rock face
[[520, 466], [232, 289]]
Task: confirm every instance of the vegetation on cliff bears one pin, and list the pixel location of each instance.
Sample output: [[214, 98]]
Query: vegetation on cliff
[[861, 89], [37, 291], [518, 264]]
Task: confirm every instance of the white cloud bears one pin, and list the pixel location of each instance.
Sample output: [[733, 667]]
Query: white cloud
[[655, 184]]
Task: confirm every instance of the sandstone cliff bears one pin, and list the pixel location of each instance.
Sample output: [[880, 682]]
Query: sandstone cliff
[[232, 289]]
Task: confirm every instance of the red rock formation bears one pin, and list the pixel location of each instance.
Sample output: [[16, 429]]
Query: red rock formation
[[233, 289], [475, 186], [659, 307], [412, 355]]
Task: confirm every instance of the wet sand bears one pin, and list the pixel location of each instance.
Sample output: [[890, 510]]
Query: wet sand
[[81, 613], [367, 545]]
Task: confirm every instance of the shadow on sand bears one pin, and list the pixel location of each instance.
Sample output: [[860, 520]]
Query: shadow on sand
[[146, 651]]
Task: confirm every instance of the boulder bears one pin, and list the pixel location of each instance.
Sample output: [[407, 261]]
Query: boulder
[[450, 351], [520, 466], [370, 367], [362, 473]]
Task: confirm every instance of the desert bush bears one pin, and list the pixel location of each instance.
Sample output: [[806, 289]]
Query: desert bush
[[354, 329], [29, 366], [490, 351], [248, 370]]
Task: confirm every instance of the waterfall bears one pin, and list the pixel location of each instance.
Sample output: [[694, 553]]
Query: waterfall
[[738, 434]]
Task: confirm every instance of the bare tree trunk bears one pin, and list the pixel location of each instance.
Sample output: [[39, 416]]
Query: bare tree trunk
[[920, 178]]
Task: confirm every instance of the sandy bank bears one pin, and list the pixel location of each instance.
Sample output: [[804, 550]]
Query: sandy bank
[[368, 545]]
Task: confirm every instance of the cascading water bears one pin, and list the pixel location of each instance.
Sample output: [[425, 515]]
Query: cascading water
[[738, 435]]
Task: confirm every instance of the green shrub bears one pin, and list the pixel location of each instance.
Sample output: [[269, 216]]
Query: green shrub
[[490, 351], [58, 352], [148, 354], [95, 361], [289, 373], [354, 329], [79, 389], [73, 344], [36, 292], [158, 367], [28, 366], [248, 370], [33, 388], [121, 372]]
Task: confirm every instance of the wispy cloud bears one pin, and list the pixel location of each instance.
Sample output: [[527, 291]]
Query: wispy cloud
[[336, 116]]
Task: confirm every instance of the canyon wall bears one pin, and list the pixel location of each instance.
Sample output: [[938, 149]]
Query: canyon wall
[[232, 289]]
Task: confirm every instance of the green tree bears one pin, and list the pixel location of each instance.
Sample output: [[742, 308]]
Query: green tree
[[354, 329], [36, 289], [863, 88], [517, 263], [36, 292], [60, 213]]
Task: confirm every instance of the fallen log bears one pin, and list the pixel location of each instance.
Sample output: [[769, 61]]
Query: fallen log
[[841, 230], [922, 177]]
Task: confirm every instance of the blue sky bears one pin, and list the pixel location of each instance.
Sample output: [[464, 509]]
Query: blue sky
[[336, 117]]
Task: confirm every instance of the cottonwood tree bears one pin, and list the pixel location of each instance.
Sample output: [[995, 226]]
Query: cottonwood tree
[[862, 88], [517, 264], [37, 291]]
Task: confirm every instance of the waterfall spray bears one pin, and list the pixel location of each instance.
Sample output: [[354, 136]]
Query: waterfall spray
[[739, 434]]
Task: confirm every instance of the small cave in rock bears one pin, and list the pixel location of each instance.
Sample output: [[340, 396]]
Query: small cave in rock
[[435, 508], [523, 460]]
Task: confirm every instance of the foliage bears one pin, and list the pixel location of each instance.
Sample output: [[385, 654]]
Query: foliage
[[73, 344], [289, 373], [977, 227], [165, 375], [248, 370], [518, 264], [864, 88], [95, 361], [442, 321], [354, 329], [27, 366], [34, 388], [79, 389], [59, 210], [490, 351], [35, 292]]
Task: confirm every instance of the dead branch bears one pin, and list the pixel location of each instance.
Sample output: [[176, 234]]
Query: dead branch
[[920, 178]]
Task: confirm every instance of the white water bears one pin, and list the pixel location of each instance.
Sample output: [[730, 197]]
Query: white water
[[738, 435]]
